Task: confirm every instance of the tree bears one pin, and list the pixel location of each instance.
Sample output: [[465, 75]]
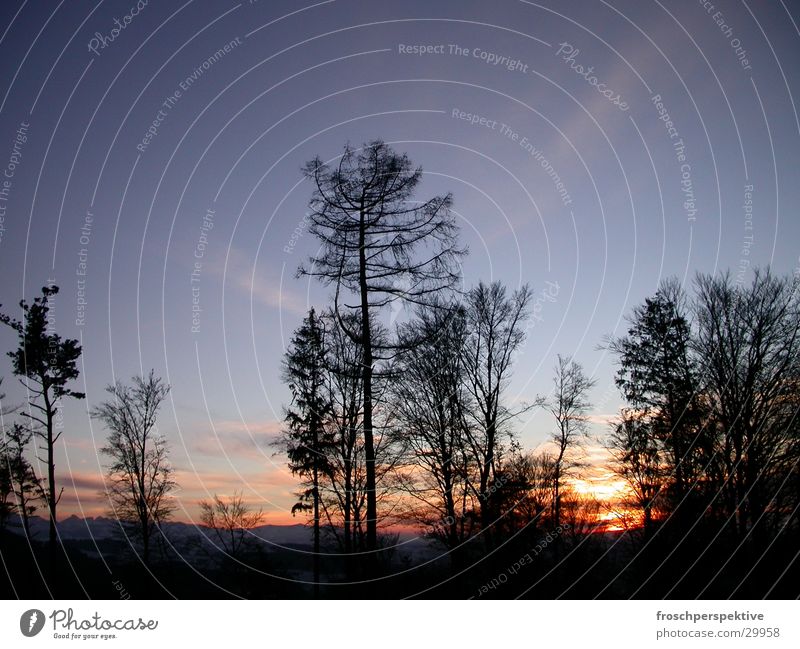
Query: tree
[[22, 484], [712, 387], [45, 365], [658, 376], [432, 401], [139, 473], [748, 345], [524, 494], [232, 521], [495, 332], [344, 499], [569, 406], [6, 487], [637, 458], [535, 472], [378, 246], [307, 439]]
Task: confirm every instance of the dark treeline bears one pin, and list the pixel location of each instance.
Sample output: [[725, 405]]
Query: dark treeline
[[401, 419], [409, 422], [708, 446], [710, 443]]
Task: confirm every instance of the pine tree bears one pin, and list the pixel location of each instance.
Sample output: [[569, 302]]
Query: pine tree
[[307, 438], [45, 364], [658, 377], [21, 490]]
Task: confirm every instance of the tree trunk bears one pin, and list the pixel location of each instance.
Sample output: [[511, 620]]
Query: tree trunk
[[369, 449], [316, 508], [558, 472], [52, 501], [557, 500], [26, 525], [146, 548], [143, 523], [486, 472], [348, 500], [738, 482], [450, 508]]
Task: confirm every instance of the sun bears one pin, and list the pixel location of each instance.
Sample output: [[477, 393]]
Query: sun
[[611, 492]]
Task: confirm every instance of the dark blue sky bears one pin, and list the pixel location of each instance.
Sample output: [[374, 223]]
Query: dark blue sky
[[592, 148]]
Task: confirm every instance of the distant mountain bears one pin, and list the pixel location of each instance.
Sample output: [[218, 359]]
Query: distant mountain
[[99, 528], [99, 535]]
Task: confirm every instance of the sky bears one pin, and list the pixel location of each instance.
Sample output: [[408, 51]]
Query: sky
[[152, 152]]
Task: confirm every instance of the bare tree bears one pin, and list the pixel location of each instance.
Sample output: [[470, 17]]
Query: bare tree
[[638, 459], [232, 521], [45, 365], [748, 345], [378, 246], [569, 406], [431, 402], [580, 518], [535, 471], [345, 494], [139, 473], [495, 331], [344, 497], [523, 494]]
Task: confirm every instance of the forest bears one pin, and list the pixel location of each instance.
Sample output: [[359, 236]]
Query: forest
[[404, 438]]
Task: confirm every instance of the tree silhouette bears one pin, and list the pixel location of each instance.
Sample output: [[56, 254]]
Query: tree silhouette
[[712, 423], [45, 364], [308, 439], [139, 472], [344, 500], [637, 458], [524, 495], [6, 487], [378, 246], [494, 334], [569, 406], [431, 400], [748, 346], [231, 520], [658, 377], [24, 486]]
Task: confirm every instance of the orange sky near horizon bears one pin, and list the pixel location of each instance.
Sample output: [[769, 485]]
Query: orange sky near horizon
[[272, 489]]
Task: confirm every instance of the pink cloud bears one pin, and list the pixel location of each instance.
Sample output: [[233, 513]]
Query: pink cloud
[[238, 439], [239, 270], [271, 489]]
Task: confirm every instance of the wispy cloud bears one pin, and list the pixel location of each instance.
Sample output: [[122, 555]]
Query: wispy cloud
[[237, 439], [603, 419], [245, 274], [271, 490]]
